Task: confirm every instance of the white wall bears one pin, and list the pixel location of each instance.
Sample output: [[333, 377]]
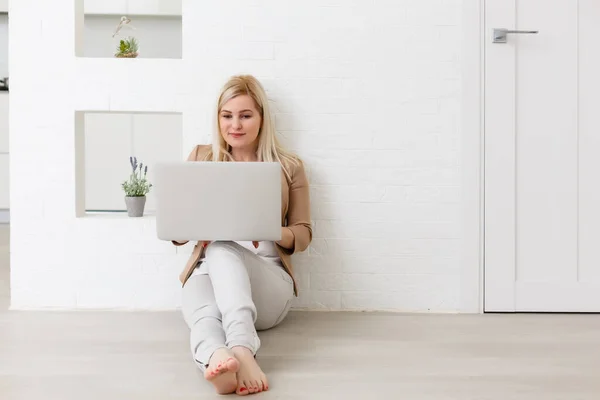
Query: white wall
[[368, 94]]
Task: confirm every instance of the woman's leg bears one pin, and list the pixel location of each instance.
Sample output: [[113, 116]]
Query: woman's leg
[[250, 293], [207, 338]]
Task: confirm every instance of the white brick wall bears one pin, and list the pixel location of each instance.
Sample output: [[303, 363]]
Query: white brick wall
[[366, 91]]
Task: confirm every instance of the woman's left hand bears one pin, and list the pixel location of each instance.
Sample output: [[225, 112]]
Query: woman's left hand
[[287, 238]]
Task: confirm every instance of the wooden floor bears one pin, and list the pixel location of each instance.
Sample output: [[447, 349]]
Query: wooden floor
[[130, 356]]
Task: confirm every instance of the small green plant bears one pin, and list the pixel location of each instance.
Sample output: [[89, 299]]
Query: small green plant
[[137, 185], [128, 48]]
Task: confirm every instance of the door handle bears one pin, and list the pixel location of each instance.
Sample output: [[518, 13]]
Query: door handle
[[501, 33]]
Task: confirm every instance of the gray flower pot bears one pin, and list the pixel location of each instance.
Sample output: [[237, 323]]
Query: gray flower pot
[[135, 205]]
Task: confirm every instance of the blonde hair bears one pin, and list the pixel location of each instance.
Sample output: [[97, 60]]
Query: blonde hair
[[269, 148]]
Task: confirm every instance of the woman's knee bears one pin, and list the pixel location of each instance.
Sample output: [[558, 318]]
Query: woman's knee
[[268, 320], [221, 247]]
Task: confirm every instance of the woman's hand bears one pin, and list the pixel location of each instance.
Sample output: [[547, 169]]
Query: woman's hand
[[287, 238]]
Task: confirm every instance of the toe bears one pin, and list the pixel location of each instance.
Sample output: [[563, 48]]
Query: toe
[[232, 365], [209, 373], [242, 389], [251, 387]]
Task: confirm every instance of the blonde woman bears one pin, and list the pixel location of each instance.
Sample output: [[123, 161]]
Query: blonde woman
[[233, 289]]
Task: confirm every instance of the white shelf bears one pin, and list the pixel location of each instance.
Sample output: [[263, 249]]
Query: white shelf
[[111, 215], [3, 6]]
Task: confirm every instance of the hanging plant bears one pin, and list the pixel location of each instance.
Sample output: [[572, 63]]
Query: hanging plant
[[128, 48]]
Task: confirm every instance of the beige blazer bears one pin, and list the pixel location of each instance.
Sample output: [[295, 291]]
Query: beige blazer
[[295, 214]]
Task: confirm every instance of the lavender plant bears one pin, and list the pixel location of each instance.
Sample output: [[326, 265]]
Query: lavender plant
[[137, 185]]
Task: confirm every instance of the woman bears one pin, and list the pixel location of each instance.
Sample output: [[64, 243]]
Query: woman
[[233, 289]]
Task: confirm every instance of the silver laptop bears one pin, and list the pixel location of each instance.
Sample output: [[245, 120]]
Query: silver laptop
[[201, 200]]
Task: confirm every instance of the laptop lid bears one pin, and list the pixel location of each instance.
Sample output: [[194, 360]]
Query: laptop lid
[[205, 200]]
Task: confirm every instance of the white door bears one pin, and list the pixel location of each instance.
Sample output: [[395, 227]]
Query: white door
[[542, 156]]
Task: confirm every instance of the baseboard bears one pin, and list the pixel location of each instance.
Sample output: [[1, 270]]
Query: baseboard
[[4, 216]]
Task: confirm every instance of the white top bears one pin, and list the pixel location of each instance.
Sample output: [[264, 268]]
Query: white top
[[266, 250]]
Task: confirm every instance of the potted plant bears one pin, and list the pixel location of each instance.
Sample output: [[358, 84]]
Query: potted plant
[[136, 188], [128, 48]]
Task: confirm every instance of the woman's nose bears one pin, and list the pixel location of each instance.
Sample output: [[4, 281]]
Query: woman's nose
[[237, 123]]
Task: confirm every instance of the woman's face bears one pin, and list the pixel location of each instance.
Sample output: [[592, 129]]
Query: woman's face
[[240, 122]]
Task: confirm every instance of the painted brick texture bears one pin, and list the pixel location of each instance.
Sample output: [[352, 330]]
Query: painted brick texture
[[367, 92]]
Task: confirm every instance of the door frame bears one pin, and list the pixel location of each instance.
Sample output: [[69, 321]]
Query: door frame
[[472, 275]]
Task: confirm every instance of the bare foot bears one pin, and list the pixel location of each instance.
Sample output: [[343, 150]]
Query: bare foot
[[221, 371], [250, 378]]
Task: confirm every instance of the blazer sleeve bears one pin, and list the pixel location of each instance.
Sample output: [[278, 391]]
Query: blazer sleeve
[[193, 156], [298, 216]]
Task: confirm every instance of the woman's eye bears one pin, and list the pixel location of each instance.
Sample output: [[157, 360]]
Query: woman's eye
[[226, 116], [246, 116]]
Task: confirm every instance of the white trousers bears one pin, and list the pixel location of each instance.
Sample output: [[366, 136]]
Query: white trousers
[[235, 293]]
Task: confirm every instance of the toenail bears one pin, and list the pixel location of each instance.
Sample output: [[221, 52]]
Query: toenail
[[243, 389]]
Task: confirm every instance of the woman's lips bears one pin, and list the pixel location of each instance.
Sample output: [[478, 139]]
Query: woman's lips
[[237, 135]]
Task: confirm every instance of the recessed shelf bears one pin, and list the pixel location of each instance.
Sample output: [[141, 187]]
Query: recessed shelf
[[158, 37], [105, 141], [155, 24]]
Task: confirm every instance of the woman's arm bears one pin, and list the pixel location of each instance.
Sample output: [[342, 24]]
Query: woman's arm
[[193, 156], [297, 235], [287, 238]]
